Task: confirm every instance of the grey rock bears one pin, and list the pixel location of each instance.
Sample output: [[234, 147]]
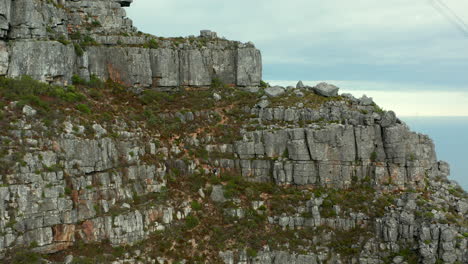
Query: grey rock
[[217, 194], [4, 57], [163, 67], [299, 93], [300, 85], [249, 67], [263, 104], [398, 259], [47, 61], [201, 193], [364, 100], [217, 97], [68, 259], [29, 111], [325, 89], [208, 34], [275, 91], [388, 119], [253, 89]]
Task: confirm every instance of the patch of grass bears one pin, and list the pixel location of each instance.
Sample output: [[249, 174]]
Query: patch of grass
[[252, 253], [191, 222], [196, 206], [78, 49], [62, 39], [151, 44], [95, 23], [21, 256], [83, 108], [40, 95]]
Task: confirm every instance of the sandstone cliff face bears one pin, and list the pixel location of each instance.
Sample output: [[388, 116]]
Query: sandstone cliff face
[[105, 182], [52, 41], [227, 174]]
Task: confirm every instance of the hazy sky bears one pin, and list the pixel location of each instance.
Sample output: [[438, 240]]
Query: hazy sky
[[393, 45]]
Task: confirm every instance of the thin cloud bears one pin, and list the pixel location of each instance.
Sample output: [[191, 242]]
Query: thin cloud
[[313, 33]]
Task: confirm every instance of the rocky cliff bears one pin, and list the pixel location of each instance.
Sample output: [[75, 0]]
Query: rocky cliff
[[95, 172], [54, 40]]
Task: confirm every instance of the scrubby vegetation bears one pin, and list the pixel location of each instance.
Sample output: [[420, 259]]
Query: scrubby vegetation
[[250, 217]]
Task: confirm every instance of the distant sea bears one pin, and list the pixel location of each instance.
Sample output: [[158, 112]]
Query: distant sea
[[450, 135]]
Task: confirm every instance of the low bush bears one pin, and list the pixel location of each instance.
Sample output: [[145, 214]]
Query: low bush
[[191, 222]]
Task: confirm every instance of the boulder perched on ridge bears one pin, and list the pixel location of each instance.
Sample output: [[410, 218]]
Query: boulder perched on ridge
[[325, 89], [275, 91]]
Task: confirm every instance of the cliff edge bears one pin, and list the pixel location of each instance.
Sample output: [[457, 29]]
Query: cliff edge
[[53, 40]]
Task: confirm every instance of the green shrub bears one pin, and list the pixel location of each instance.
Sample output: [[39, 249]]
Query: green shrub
[[68, 191], [96, 23], [150, 97], [96, 94], [88, 41], [252, 253], [63, 40], [151, 44], [26, 90], [83, 108], [263, 84], [78, 49], [95, 82], [191, 222], [196, 206], [75, 35], [217, 83], [373, 156], [23, 256], [429, 215], [76, 79]]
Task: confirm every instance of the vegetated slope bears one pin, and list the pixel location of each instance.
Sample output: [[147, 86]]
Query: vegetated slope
[[218, 175]]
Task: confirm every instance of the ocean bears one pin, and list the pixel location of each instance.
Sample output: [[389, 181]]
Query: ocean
[[450, 135]]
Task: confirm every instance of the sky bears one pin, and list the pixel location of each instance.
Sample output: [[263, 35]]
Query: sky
[[410, 56], [412, 52]]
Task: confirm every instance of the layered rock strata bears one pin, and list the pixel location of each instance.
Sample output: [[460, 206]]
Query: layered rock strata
[[54, 40]]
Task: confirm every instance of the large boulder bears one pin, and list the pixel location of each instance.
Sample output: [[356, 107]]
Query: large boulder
[[300, 85], [366, 101], [388, 119], [217, 194], [275, 91], [208, 34], [325, 89]]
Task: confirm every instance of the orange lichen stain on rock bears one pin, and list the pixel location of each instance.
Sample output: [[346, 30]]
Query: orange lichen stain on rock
[[88, 230], [56, 146], [64, 233], [75, 196], [154, 215], [149, 181], [115, 75]]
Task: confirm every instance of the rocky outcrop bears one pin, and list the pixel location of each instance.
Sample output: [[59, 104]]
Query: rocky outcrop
[[96, 38], [354, 145], [108, 182]]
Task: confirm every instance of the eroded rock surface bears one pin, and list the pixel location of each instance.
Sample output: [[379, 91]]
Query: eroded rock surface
[[86, 38]]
